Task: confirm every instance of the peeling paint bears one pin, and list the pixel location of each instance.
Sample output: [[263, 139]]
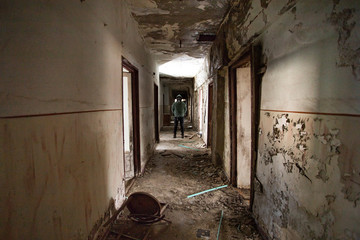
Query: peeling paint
[[322, 171], [344, 23], [281, 204], [308, 149], [282, 123], [161, 21]]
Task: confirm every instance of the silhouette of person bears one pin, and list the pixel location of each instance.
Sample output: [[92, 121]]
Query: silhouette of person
[[179, 110]]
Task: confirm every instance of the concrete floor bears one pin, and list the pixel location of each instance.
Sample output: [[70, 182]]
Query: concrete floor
[[176, 172]]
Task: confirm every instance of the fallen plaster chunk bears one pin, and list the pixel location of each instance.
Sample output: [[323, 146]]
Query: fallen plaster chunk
[[192, 136], [201, 233], [178, 155], [165, 154]]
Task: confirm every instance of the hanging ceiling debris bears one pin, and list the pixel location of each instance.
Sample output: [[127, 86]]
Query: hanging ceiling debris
[[175, 27]]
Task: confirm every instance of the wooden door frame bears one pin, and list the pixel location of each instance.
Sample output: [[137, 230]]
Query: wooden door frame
[[251, 55], [156, 112], [135, 112], [209, 131]]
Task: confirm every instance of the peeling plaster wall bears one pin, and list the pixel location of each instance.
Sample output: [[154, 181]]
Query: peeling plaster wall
[[308, 166], [307, 158], [61, 171]]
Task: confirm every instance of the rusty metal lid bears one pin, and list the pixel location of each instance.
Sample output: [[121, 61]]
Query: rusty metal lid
[[143, 203]]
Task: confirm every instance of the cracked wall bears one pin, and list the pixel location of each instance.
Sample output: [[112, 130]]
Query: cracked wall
[[307, 176]]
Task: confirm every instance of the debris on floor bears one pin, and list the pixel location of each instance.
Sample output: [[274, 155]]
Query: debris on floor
[[201, 233], [178, 155], [171, 178], [192, 136]]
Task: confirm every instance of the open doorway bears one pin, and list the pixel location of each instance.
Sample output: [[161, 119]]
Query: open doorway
[[131, 142], [244, 106]]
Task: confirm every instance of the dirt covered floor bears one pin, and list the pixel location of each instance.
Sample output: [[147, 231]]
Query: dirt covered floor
[[179, 168]]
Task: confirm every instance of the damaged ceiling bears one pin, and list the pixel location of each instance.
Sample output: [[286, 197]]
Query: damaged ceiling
[[171, 28]]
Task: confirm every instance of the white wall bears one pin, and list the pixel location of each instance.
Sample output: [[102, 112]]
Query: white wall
[[62, 157]]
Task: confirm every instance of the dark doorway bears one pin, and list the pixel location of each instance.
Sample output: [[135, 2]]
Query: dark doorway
[[156, 112], [210, 107], [244, 95], [131, 123]]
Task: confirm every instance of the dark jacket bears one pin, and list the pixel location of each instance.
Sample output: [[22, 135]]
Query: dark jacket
[[179, 109]]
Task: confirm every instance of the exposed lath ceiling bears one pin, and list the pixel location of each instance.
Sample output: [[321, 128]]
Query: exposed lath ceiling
[[172, 27]]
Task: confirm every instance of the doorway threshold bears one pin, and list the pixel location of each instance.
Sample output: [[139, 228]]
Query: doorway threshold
[[244, 194]]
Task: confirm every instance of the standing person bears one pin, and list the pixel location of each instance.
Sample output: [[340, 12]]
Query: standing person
[[179, 110]]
